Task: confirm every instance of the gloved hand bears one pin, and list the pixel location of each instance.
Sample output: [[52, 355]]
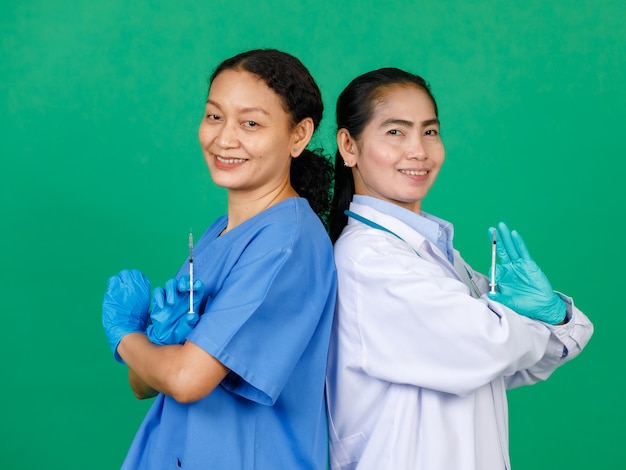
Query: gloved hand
[[521, 284], [125, 307], [171, 320]]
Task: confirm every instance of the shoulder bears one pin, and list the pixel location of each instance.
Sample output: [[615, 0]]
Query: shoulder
[[376, 233], [289, 226], [361, 247], [374, 252], [293, 221]]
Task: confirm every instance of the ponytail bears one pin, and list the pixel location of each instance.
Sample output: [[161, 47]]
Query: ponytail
[[344, 190], [312, 177]]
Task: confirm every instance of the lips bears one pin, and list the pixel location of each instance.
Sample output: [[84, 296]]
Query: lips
[[414, 172], [229, 160]]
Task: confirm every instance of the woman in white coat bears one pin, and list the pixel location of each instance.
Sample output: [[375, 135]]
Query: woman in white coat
[[421, 356]]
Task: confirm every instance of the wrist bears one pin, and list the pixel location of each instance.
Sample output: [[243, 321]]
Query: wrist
[[119, 348], [558, 311]]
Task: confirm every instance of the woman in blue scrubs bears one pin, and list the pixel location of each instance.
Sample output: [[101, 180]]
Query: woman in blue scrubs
[[244, 389]]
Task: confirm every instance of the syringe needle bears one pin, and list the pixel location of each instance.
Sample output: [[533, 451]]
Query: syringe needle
[[492, 280], [190, 271]]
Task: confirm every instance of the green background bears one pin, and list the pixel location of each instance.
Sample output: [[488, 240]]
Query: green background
[[101, 171]]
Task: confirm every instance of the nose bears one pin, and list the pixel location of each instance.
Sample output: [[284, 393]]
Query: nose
[[417, 149], [227, 136]]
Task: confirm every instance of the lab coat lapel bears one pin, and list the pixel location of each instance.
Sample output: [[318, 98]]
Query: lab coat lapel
[[422, 246]]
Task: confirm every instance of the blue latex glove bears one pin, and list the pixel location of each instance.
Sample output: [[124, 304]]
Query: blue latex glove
[[521, 284], [125, 307], [171, 320]]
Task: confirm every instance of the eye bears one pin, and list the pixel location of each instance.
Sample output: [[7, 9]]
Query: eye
[[432, 132], [212, 117], [393, 132], [250, 124]]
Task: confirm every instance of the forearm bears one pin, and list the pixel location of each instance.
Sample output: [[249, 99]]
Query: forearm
[[566, 341], [184, 372], [148, 362], [575, 332]]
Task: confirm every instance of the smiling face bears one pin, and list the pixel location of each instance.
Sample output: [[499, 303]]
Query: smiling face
[[247, 137], [399, 153]]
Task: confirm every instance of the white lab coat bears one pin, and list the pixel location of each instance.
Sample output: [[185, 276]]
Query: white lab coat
[[419, 364]]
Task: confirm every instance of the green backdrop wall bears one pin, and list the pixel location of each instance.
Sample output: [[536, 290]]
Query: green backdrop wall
[[101, 171]]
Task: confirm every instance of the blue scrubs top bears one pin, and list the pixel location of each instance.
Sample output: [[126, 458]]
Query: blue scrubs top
[[270, 288]]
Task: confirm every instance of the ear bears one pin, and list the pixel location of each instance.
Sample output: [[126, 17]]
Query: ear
[[347, 147], [301, 136]]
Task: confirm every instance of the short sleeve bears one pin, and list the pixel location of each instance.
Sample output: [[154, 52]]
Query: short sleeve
[[262, 319]]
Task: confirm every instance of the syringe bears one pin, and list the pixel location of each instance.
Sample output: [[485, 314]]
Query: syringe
[[492, 277], [190, 271]]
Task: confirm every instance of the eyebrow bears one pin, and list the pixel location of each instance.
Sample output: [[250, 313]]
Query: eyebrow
[[250, 109], [406, 123]]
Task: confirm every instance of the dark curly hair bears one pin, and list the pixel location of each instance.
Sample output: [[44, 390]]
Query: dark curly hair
[[311, 173], [355, 107]]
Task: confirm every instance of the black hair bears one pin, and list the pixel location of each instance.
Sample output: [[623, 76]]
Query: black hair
[[311, 173], [355, 107]]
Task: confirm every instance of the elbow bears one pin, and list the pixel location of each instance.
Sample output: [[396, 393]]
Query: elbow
[[145, 394], [140, 389], [194, 376], [185, 388], [185, 397]]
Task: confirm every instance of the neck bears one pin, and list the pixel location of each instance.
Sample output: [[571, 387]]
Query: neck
[[242, 207]]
